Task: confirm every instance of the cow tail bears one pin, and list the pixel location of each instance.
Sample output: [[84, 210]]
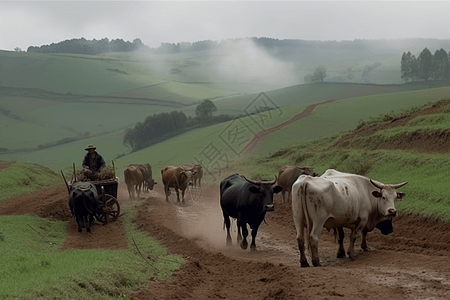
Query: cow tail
[[305, 215], [85, 206]]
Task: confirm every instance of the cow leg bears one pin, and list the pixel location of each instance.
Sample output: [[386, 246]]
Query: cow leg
[[167, 192], [341, 250], [364, 241], [253, 244], [183, 200], [300, 224], [282, 196], [90, 222], [178, 195], [226, 219], [79, 223], [138, 190], [351, 248], [314, 243], [244, 243], [239, 236]]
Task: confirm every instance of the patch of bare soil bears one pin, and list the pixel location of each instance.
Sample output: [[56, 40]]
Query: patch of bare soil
[[3, 165], [433, 142]]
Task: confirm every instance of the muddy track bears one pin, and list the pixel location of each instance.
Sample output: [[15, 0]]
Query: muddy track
[[259, 137], [412, 263]]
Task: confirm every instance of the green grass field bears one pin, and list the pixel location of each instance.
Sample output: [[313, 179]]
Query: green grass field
[[32, 266]]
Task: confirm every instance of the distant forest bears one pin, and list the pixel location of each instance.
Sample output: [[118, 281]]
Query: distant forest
[[426, 66], [83, 46], [280, 47]]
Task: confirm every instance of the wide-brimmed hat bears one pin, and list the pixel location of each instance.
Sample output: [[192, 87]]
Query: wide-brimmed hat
[[90, 146]]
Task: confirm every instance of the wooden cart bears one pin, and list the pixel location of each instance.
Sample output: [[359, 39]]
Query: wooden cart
[[109, 208]]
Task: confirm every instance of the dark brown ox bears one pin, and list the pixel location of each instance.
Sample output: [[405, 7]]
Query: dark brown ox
[[134, 180], [177, 178], [198, 173], [287, 175], [336, 200], [148, 182]]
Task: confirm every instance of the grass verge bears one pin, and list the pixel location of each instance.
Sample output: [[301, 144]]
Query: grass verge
[[25, 178], [33, 267]]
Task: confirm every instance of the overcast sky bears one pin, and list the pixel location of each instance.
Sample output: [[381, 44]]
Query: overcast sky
[[36, 23]]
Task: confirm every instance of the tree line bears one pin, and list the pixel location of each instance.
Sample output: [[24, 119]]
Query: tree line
[[93, 47], [159, 127], [426, 66]]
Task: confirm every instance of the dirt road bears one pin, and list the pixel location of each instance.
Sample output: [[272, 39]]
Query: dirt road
[[411, 263]]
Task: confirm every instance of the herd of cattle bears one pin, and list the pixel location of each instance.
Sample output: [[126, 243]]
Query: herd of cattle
[[333, 200], [139, 178]]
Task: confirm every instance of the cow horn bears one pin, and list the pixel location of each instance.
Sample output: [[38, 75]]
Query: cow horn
[[377, 184], [251, 181], [399, 185], [275, 180]]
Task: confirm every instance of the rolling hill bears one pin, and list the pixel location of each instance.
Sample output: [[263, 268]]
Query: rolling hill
[[53, 105]]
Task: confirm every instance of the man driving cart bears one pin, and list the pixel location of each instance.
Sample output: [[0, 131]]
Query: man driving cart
[[93, 162]]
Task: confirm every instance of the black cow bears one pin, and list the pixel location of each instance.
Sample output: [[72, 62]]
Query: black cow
[[385, 227], [247, 201], [83, 202]]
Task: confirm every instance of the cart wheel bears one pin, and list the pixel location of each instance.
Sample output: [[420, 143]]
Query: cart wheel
[[111, 210]]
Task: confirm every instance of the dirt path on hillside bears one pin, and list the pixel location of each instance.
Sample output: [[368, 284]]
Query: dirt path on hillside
[[260, 136]]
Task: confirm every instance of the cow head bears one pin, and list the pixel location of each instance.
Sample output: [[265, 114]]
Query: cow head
[[265, 190], [387, 197], [385, 227], [151, 184], [187, 176]]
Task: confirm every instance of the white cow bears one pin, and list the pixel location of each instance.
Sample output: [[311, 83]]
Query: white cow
[[336, 200]]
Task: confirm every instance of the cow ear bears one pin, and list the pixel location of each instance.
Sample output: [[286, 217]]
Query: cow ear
[[376, 194], [277, 189], [254, 190], [400, 196]]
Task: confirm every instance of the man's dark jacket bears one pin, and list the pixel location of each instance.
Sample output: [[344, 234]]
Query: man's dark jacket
[[94, 163]]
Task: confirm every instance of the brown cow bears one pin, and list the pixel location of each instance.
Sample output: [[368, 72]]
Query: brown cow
[[176, 178], [198, 175], [134, 180], [146, 171], [288, 175]]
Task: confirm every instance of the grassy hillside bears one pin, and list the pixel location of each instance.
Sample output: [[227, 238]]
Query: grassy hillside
[[23, 178], [374, 151], [74, 100], [346, 114], [329, 119]]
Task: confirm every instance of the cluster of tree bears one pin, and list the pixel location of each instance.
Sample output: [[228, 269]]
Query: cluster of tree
[[159, 127], [83, 46], [318, 76], [168, 48], [426, 66]]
